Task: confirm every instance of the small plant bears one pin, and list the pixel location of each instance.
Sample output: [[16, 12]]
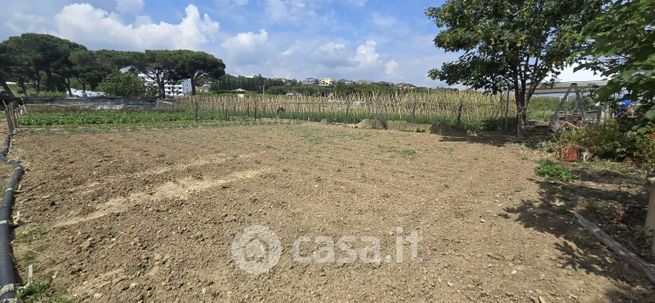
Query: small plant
[[33, 290], [30, 234], [552, 171]]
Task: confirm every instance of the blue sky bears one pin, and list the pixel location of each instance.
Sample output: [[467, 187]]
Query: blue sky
[[354, 39]]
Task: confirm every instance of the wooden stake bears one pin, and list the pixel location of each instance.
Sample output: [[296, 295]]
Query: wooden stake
[[650, 217]]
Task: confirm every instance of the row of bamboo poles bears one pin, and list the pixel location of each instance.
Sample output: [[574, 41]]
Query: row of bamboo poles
[[464, 107]]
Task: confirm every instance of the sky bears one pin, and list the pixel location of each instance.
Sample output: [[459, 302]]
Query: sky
[[375, 40]]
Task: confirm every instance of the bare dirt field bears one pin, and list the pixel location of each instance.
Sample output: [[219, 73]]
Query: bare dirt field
[[150, 216]]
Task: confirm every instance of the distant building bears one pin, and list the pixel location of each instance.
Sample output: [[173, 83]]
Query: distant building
[[310, 81], [84, 94], [241, 93], [203, 88], [326, 82], [346, 82], [171, 88], [407, 86], [178, 88], [363, 82]]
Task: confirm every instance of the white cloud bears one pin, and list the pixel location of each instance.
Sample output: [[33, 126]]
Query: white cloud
[[132, 7], [247, 48], [384, 21], [391, 67], [20, 22], [89, 25], [366, 54], [331, 55], [289, 10]]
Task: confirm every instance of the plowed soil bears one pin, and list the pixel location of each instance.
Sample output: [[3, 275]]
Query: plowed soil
[[150, 216]]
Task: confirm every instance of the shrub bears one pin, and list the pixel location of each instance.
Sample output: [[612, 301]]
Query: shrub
[[552, 171], [123, 85], [610, 141]]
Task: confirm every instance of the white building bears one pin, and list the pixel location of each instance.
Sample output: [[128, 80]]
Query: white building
[[326, 82], [178, 88], [171, 88]]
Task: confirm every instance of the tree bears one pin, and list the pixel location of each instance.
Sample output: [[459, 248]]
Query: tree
[[195, 65], [39, 56], [5, 68], [123, 85], [161, 66], [509, 44], [622, 46], [89, 68]]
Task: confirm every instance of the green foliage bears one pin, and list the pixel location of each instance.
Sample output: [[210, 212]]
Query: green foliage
[[509, 44], [552, 171], [609, 141], [40, 58], [622, 47], [30, 234], [123, 85], [341, 89], [49, 63], [102, 117], [89, 68], [252, 84], [195, 65]]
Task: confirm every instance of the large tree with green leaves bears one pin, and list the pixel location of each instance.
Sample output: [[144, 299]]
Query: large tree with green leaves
[[161, 66], [196, 65], [89, 68], [509, 44], [5, 68], [41, 59], [621, 45], [123, 85]]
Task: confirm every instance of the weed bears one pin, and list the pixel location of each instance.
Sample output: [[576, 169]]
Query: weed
[[30, 234], [552, 171]]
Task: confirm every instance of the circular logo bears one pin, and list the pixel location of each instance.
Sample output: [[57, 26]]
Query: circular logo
[[256, 249]]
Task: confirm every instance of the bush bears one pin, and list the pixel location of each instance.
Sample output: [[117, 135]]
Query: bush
[[552, 171], [609, 141], [124, 85]]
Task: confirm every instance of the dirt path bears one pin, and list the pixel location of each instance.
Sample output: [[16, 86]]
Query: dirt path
[[151, 216]]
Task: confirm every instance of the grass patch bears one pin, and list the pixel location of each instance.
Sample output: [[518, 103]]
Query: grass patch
[[40, 292], [395, 151], [30, 234], [552, 171]]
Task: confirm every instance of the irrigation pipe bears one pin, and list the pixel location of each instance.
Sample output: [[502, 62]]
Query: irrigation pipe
[[8, 279]]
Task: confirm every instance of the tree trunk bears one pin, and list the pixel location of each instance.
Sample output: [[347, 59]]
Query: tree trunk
[[68, 86], [38, 87], [521, 131], [193, 87], [162, 90]]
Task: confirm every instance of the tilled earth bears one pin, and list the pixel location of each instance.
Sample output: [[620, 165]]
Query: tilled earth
[[150, 216]]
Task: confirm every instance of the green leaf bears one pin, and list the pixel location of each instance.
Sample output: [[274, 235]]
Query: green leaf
[[650, 115]]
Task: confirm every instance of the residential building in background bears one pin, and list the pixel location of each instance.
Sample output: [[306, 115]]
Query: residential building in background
[[171, 88], [407, 86], [326, 82], [310, 81]]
